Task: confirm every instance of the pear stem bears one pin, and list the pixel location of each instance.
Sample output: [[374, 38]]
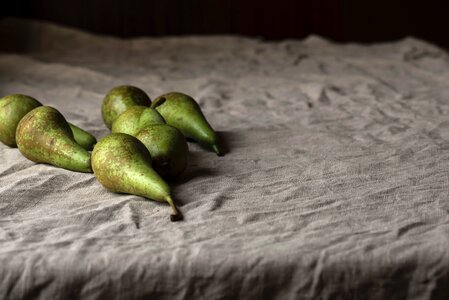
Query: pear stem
[[176, 215], [217, 150]]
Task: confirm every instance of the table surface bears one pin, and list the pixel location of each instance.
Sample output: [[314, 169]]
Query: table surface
[[335, 185]]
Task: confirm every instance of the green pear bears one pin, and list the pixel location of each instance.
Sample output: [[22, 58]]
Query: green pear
[[168, 148], [181, 111], [135, 118], [119, 99], [44, 136], [122, 164], [82, 137], [14, 107]]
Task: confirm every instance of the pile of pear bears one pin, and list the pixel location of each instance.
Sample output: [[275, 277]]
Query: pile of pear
[[147, 146], [43, 135]]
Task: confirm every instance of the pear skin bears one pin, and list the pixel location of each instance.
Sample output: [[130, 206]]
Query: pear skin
[[44, 136], [168, 148], [12, 109], [183, 112], [135, 118], [122, 164], [119, 99], [150, 116], [83, 138]]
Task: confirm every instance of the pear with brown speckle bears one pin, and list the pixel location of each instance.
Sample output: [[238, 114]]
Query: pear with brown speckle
[[119, 99], [136, 118], [122, 164], [44, 136], [183, 112], [15, 106]]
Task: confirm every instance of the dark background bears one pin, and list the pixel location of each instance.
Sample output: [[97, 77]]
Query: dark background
[[340, 20]]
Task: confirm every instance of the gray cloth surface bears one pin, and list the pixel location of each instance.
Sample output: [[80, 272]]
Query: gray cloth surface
[[335, 185]]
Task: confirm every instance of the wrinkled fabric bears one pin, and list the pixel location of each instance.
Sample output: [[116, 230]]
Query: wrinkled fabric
[[335, 185]]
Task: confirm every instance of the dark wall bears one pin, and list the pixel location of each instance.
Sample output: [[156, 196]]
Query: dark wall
[[368, 21], [341, 20]]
